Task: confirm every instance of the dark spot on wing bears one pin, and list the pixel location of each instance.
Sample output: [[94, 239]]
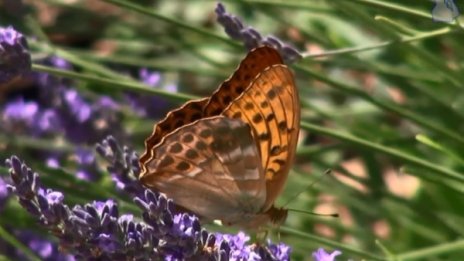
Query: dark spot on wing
[[187, 138], [270, 117], [271, 94], [183, 166], [249, 106], [191, 154], [205, 133], [166, 161], [275, 150], [257, 118], [264, 136], [175, 148]]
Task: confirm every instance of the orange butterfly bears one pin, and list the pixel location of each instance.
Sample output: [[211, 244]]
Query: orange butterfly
[[227, 157]]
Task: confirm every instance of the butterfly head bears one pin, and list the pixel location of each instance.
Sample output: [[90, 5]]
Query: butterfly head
[[274, 217]]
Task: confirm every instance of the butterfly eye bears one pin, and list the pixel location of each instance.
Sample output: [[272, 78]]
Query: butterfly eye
[[230, 144], [215, 145]]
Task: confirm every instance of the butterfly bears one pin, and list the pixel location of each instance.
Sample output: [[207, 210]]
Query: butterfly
[[227, 157]]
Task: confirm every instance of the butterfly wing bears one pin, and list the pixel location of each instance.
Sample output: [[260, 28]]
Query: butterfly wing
[[235, 173], [187, 113], [253, 64], [211, 167], [270, 105]]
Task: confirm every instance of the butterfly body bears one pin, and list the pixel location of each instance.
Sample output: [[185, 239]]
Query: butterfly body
[[227, 157]]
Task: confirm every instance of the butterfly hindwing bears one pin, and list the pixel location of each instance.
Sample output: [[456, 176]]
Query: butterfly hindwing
[[211, 162], [187, 113]]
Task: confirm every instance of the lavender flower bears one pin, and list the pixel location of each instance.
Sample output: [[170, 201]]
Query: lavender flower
[[19, 112], [44, 248], [146, 105], [321, 255], [4, 195], [59, 108], [91, 231], [84, 122], [234, 27], [124, 166], [48, 85], [124, 169], [15, 59], [97, 230], [40, 245], [239, 250], [87, 168], [27, 117]]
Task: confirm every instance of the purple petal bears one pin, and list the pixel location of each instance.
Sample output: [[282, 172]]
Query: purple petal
[[321, 255], [14, 54], [21, 110]]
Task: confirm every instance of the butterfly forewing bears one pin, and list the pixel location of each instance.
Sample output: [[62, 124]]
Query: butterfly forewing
[[253, 64], [270, 105], [211, 167]]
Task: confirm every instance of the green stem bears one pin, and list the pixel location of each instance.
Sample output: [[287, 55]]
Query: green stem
[[385, 105], [178, 23], [389, 151], [17, 244], [395, 7], [410, 39], [123, 86], [429, 252], [331, 243]]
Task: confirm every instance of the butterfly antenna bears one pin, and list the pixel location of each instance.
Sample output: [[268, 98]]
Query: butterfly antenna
[[327, 172], [335, 215]]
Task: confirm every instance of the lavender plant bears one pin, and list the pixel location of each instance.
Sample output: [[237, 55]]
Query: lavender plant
[[15, 59], [96, 230], [381, 92]]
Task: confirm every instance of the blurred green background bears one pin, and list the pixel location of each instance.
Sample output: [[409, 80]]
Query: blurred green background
[[382, 92]]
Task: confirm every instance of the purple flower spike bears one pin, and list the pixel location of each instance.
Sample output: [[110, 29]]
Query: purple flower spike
[[86, 122], [235, 247], [280, 251], [4, 194], [87, 164], [15, 59], [321, 255], [150, 78], [96, 231], [147, 105], [124, 166], [20, 110], [26, 116], [43, 247], [232, 24], [77, 106], [251, 38]]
